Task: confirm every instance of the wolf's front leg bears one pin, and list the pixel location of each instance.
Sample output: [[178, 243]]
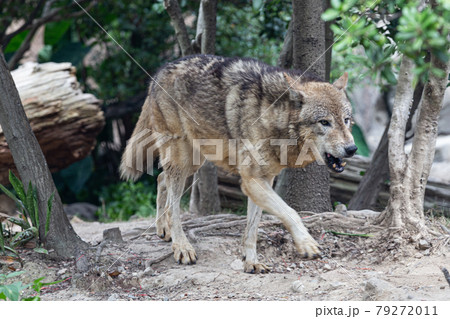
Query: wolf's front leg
[[250, 239], [261, 192]]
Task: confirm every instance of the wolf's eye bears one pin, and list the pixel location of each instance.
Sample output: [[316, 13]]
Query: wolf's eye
[[347, 121], [325, 123]]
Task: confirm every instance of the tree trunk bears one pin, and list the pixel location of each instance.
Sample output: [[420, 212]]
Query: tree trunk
[[31, 164], [65, 120], [308, 188], [205, 198], [173, 9], [378, 172], [409, 174]]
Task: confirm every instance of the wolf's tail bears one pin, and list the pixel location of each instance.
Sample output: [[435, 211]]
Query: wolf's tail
[[135, 160]]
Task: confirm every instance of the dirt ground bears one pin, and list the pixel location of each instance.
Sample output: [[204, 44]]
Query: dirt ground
[[141, 268]]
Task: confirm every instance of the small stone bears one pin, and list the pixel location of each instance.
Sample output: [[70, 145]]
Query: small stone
[[341, 209], [301, 265], [113, 235], [442, 287], [326, 267], [62, 271], [227, 252], [237, 265], [293, 265], [288, 269], [231, 296], [148, 271], [336, 285], [424, 245], [297, 286], [245, 295], [113, 297]]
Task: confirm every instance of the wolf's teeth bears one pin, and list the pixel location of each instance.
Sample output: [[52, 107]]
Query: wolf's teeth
[[334, 165], [343, 164]]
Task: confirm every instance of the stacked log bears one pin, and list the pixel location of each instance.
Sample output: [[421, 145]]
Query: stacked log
[[343, 186], [65, 120]]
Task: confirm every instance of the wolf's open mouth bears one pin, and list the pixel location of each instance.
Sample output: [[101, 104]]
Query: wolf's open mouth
[[334, 163]]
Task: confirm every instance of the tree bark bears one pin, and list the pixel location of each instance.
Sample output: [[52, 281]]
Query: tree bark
[[307, 188], [205, 198], [31, 164], [378, 172], [329, 40], [65, 120], [173, 9], [409, 174]]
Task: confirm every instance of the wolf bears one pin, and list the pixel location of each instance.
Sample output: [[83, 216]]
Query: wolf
[[240, 102]]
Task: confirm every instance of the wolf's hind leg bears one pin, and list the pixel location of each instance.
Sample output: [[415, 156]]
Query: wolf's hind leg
[[251, 264], [183, 252], [163, 218]]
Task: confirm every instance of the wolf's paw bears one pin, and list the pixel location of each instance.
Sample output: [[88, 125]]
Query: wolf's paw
[[163, 231], [256, 268], [184, 253], [308, 248]]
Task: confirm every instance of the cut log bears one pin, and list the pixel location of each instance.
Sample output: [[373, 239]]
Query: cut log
[[65, 120]]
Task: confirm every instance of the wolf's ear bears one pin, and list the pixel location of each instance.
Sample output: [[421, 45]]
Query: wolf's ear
[[295, 92], [341, 83]]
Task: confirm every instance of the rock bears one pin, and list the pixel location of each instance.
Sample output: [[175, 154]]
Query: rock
[[326, 267], [62, 271], [231, 296], [377, 289], [113, 234], [336, 285], [424, 245], [82, 263], [237, 265], [341, 209], [297, 286], [113, 297]]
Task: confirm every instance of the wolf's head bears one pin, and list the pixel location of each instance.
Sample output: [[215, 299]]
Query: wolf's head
[[325, 117]]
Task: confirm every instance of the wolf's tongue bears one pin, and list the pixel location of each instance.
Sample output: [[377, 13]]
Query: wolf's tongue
[[335, 163]]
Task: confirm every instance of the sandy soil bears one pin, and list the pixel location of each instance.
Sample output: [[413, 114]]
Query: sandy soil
[[141, 268]]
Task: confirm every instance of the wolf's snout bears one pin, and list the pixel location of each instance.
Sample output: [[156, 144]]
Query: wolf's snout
[[351, 150]]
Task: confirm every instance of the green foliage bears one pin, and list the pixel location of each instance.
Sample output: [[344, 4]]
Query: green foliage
[[123, 200], [14, 291], [29, 214], [370, 36], [360, 141], [268, 22]]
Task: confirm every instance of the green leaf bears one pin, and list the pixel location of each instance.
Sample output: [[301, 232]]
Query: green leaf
[[49, 212], [15, 42], [330, 14], [30, 205], [336, 4], [19, 222], [12, 291], [54, 31], [257, 4], [2, 240], [41, 250], [10, 195], [18, 186]]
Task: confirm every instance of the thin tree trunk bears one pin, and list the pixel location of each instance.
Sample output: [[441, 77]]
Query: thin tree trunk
[[31, 164], [205, 198], [307, 188], [378, 172], [173, 9], [409, 174]]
